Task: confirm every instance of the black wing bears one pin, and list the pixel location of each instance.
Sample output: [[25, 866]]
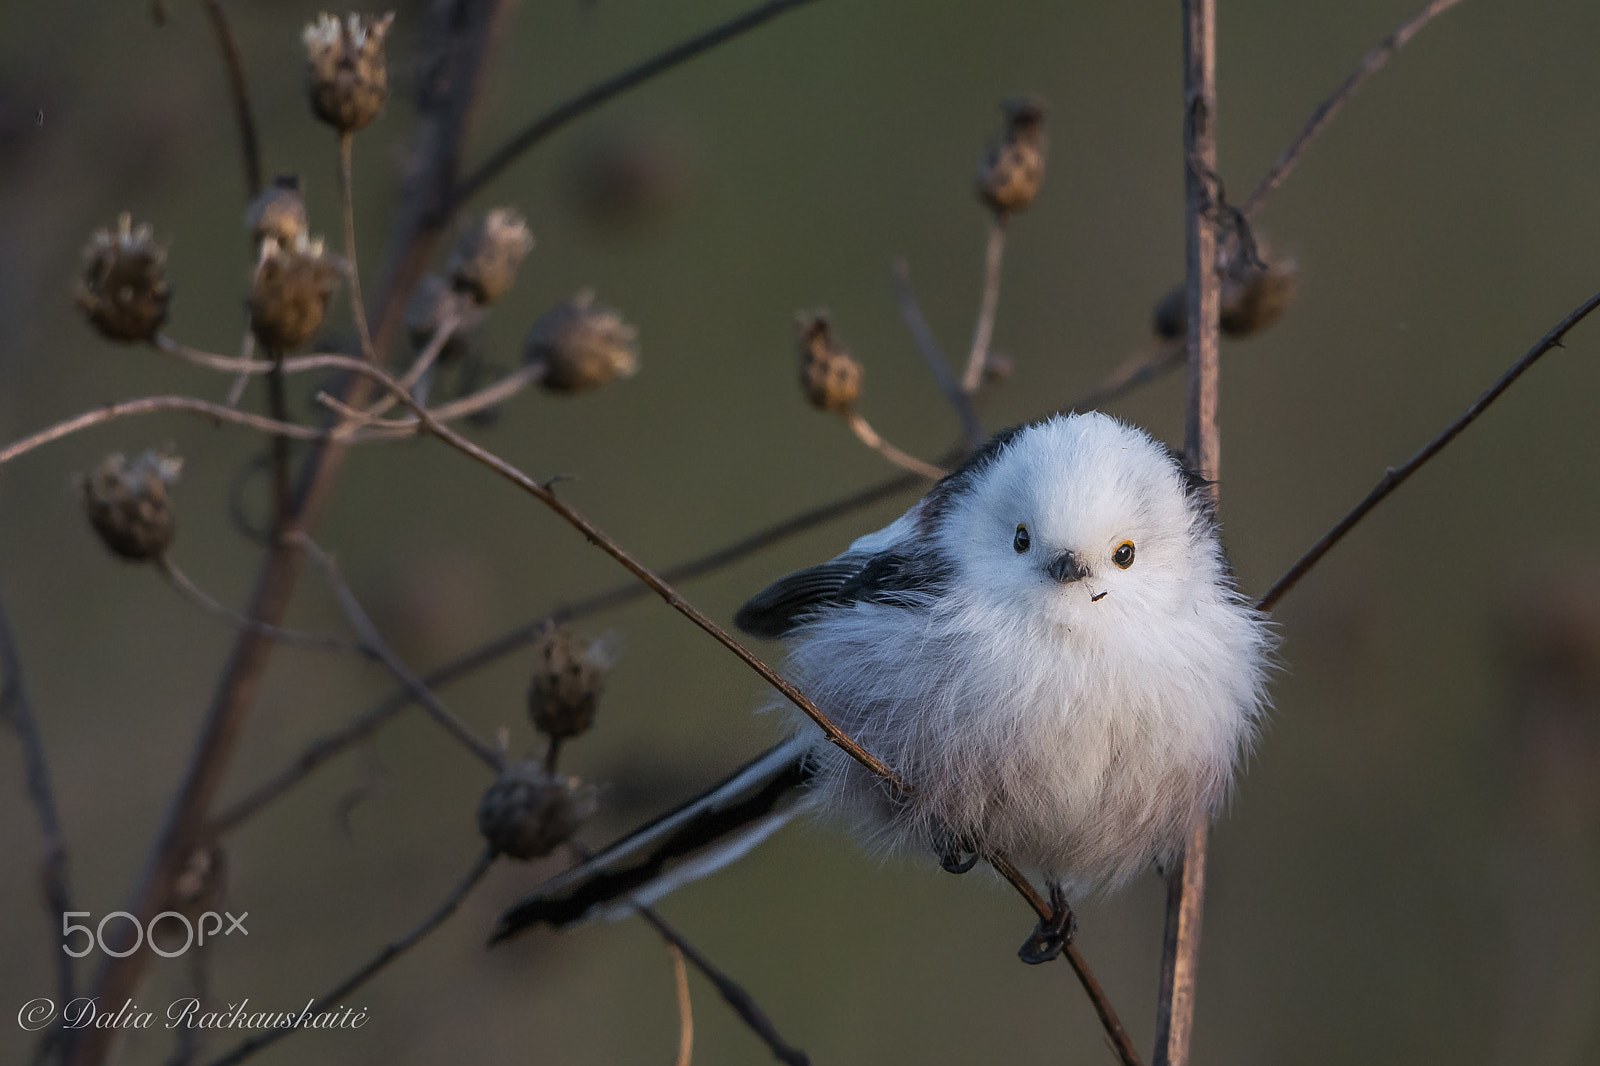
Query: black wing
[[903, 577]]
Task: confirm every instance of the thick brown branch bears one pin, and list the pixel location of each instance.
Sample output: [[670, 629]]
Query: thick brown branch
[[1394, 477]]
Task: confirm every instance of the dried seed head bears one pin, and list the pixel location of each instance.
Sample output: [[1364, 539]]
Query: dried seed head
[[830, 376], [529, 812], [486, 259], [1254, 295], [290, 296], [202, 883], [123, 286], [128, 505], [582, 345], [568, 676], [347, 72], [1013, 168], [998, 367], [434, 303], [279, 212]]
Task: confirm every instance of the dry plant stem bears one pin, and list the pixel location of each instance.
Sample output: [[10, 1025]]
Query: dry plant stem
[[461, 31], [373, 641], [1202, 452], [289, 637], [680, 981], [1370, 64], [736, 997], [983, 332], [424, 361], [18, 709], [247, 351], [278, 409], [239, 92], [1143, 367], [869, 436], [1394, 477], [1121, 1042], [391, 951], [347, 207], [591, 98], [928, 346]]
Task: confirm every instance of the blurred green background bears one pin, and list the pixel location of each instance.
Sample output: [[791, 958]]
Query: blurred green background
[[1409, 869]]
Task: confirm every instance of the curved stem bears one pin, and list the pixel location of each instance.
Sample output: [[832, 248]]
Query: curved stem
[[288, 637], [869, 436], [983, 331], [347, 207]]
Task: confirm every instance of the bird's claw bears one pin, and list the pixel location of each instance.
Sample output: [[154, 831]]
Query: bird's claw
[[952, 849], [1053, 934], [951, 862]]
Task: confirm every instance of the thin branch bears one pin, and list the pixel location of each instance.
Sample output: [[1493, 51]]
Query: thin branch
[[290, 637], [614, 86], [239, 92], [743, 1004], [247, 351], [869, 436], [347, 209], [926, 344], [278, 409], [983, 331], [373, 641], [1371, 63], [1141, 368], [680, 981], [1180, 952], [424, 361], [18, 709], [391, 951], [1394, 477]]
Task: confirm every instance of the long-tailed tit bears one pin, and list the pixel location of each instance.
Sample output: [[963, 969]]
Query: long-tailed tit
[[1048, 648]]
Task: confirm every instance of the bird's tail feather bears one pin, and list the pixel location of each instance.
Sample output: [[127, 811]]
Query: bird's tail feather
[[685, 844]]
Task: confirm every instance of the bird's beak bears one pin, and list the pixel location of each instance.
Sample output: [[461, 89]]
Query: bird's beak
[[1066, 568]]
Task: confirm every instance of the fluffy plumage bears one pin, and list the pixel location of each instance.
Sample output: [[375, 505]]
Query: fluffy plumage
[[1040, 697]]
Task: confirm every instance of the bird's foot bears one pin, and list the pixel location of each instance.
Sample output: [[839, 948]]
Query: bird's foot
[[956, 855], [1053, 934]]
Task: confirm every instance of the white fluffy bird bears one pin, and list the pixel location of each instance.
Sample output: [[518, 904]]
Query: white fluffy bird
[[1048, 648]]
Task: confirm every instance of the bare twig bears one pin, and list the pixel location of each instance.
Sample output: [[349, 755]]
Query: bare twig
[[1370, 64], [1394, 477], [391, 951], [290, 637], [18, 709], [922, 335], [680, 980], [614, 86], [247, 351], [347, 208], [736, 997], [869, 436], [278, 409], [374, 642], [1141, 368], [983, 332], [239, 91], [1202, 452]]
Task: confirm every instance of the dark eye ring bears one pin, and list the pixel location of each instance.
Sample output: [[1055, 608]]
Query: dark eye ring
[[1123, 556], [1021, 541]]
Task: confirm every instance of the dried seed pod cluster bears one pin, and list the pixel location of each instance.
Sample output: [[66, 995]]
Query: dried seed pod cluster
[[569, 675], [829, 374], [434, 303], [279, 212], [582, 345], [293, 283], [128, 505], [529, 811], [1255, 294], [1013, 168], [485, 261], [122, 288], [347, 70]]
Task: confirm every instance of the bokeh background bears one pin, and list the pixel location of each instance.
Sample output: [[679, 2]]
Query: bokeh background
[[1409, 869]]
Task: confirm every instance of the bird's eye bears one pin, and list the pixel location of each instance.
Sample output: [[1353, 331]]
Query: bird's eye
[[1021, 540], [1123, 556]]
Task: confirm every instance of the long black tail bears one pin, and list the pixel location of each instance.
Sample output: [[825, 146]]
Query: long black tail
[[685, 844]]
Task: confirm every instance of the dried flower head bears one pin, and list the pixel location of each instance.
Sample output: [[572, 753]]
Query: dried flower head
[[128, 505], [1255, 294], [123, 286], [568, 676], [829, 374], [279, 212], [1013, 168], [289, 298], [348, 73], [434, 303], [486, 259], [582, 345], [529, 812], [202, 883]]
